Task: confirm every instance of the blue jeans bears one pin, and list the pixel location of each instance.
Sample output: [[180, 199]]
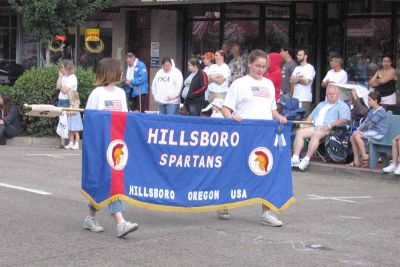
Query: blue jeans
[[64, 103], [169, 109], [113, 207], [8, 130]]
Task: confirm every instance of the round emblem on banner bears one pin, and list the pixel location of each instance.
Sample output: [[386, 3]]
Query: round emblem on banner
[[117, 154], [261, 161]]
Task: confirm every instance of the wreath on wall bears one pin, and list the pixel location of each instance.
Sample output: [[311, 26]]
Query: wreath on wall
[[94, 44]]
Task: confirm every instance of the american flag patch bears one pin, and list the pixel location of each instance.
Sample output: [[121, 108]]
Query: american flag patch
[[260, 91], [113, 105]]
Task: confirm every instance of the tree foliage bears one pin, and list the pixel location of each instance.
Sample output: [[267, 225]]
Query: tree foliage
[[47, 18], [38, 86]]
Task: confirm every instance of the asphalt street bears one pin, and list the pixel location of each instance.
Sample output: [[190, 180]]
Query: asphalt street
[[339, 219]]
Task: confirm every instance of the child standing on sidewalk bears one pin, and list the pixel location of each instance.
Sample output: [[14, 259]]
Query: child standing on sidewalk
[[74, 121], [107, 96]]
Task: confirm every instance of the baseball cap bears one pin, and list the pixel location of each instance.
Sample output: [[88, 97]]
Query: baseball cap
[[218, 102]]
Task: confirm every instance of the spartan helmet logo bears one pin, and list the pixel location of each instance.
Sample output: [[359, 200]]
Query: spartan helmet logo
[[117, 154], [260, 161]]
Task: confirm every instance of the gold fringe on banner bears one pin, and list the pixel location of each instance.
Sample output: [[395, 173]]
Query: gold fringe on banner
[[186, 209]]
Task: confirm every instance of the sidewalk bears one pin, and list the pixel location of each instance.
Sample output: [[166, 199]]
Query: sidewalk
[[316, 166]]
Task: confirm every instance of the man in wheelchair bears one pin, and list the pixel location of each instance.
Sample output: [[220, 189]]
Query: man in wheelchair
[[328, 114]]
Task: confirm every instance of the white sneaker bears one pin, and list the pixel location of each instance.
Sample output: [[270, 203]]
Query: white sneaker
[[397, 170], [390, 168], [69, 146], [304, 164], [223, 214], [75, 146], [124, 228], [294, 161], [91, 224], [270, 219]]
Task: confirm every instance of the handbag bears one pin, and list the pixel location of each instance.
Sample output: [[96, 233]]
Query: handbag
[[62, 127]]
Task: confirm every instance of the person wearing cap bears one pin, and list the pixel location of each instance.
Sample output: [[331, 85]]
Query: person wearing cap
[[216, 107], [253, 97], [194, 87]]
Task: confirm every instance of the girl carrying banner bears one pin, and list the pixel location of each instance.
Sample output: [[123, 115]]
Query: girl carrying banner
[[253, 97], [107, 96]]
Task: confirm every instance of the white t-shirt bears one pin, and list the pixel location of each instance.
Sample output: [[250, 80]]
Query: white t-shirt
[[304, 92], [69, 81], [389, 100], [102, 99], [222, 70], [251, 99], [339, 77], [319, 121]]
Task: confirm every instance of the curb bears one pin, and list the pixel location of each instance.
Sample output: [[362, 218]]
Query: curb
[[333, 169], [28, 141]]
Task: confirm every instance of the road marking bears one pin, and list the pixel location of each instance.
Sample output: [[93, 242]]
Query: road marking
[[352, 217], [56, 156], [25, 189], [343, 199]]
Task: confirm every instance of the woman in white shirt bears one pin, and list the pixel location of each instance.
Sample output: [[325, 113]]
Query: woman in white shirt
[[218, 77], [66, 82], [166, 87]]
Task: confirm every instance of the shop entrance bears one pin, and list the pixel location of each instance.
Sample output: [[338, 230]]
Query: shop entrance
[[139, 38]]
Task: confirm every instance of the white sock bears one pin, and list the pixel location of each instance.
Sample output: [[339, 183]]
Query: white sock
[[306, 158]]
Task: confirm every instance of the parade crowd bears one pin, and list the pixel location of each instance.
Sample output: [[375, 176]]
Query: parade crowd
[[229, 83]]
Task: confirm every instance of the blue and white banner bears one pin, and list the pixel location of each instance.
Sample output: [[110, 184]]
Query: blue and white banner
[[182, 163]]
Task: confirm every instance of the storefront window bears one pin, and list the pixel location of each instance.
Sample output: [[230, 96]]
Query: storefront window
[[304, 11], [334, 36], [242, 11], [204, 37], [363, 7], [203, 11], [367, 40], [277, 10], [397, 59], [276, 34], [92, 51], [89, 51], [305, 38], [244, 32], [334, 10], [30, 49], [8, 37]]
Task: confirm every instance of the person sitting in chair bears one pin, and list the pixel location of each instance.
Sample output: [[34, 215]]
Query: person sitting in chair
[[375, 126], [329, 113]]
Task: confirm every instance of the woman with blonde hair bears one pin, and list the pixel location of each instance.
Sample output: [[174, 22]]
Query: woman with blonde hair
[[74, 121], [66, 82]]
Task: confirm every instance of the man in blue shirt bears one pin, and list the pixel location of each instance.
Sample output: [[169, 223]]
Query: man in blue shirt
[[329, 113], [136, 84]]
